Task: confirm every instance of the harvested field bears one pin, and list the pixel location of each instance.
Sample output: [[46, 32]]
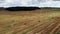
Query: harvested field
[[44, 21]]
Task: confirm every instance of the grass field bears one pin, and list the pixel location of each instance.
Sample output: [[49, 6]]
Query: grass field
[[43, 21]]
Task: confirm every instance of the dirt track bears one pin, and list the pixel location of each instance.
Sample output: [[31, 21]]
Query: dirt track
[[30, 22]]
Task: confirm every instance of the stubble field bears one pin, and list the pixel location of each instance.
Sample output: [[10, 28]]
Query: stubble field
[[43, 21]]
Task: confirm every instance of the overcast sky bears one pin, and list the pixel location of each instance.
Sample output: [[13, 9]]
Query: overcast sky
[[41, 3]]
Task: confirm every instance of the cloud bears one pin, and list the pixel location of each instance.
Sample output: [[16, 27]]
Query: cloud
[[40, 3], [50, 4]]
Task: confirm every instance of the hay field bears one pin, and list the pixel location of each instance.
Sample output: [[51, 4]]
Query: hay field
[[44, 21]]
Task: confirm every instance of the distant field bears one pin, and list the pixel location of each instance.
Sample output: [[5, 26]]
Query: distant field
[[43, 21]]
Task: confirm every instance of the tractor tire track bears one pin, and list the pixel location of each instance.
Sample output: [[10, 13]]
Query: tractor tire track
[[36, 26], [40, 28], [21, 29]]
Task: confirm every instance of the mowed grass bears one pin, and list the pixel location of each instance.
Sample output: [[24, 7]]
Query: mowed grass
[[29, 22]]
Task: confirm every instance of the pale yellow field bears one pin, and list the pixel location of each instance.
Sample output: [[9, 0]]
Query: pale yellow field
[[30, 22]]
